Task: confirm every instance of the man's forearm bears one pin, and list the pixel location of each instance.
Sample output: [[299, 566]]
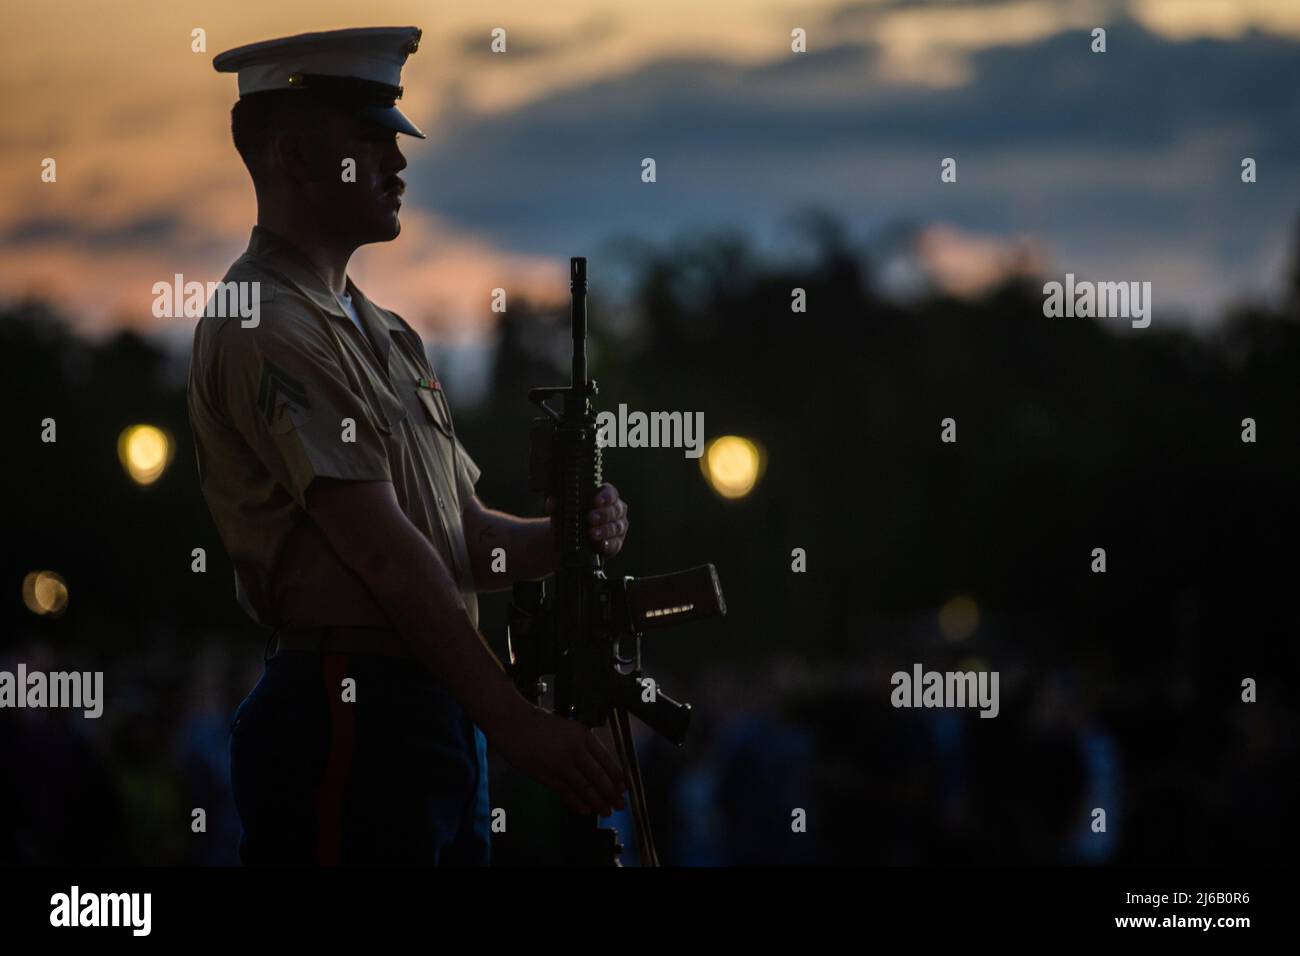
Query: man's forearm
[[422, 600], [527, 548], [368, 531]]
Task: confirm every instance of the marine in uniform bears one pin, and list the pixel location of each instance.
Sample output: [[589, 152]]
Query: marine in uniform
[[329, 459]]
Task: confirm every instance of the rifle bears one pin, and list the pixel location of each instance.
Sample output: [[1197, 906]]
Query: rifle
[[584, 630]]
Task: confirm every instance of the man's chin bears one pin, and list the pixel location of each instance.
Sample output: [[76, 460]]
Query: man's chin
[[385, 229]]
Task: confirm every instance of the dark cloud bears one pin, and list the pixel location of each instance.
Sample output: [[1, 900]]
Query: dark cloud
[[861, 13], [1132, 150], [153, 230], [521, 44]]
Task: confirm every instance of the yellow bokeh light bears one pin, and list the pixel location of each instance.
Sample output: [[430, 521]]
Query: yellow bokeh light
[[732, 465], [959, 617], [45, 593], [145, 452]]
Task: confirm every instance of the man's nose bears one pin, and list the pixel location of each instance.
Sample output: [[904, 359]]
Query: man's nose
[[394, 161]]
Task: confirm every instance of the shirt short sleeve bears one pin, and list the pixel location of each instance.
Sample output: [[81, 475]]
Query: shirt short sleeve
[[285, 390], [467, 473]]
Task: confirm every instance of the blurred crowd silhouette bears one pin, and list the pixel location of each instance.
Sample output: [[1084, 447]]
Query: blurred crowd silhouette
[[1120, 691]]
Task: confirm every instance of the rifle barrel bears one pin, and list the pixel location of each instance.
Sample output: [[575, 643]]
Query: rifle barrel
[[578, 286]]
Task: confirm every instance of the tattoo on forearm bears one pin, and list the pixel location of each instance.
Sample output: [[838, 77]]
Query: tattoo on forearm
[[527, 541]]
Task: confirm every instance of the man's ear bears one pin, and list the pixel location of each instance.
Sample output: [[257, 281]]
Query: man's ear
[[296, 154]]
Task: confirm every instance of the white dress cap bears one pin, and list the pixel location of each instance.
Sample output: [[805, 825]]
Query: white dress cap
[[357, 68]]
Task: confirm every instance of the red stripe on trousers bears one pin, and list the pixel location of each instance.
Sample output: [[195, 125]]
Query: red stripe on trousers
[[338, 762]]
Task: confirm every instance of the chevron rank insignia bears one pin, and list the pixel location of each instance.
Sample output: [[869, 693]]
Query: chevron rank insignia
[[279, 387]]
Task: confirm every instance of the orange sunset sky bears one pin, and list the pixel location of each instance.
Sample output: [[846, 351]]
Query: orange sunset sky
[[149, 184]]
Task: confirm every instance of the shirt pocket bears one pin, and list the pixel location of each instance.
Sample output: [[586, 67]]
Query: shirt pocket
[[387, 411], [436, 410]]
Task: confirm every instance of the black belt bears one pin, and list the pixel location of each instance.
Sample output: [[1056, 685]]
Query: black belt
[[384, 641]]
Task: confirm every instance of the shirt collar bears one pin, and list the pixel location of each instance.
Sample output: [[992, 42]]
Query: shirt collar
[[284, 258]]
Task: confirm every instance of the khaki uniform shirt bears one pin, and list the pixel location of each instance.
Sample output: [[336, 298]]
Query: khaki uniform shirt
[[269, 406]]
